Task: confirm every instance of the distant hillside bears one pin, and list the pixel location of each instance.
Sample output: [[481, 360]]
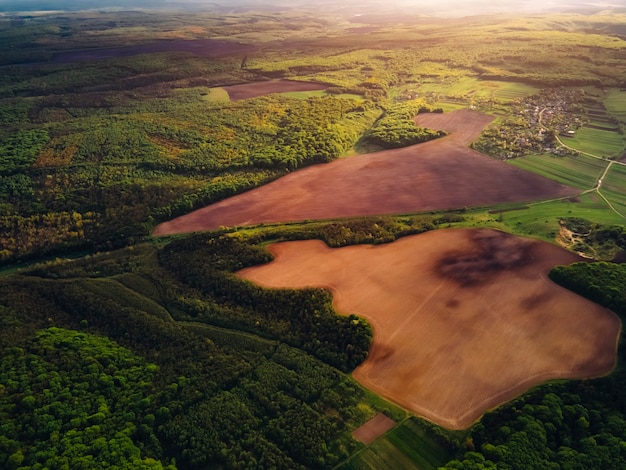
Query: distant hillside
[[443, 8]]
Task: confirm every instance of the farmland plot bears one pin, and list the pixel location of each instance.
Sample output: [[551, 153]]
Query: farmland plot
[[464, 320], [436, 175]]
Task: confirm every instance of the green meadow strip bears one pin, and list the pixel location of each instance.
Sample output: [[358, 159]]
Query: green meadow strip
[[597, 142], [580, 172]]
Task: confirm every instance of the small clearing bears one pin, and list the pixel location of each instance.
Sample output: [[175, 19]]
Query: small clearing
[[373, 429], [255, 89]]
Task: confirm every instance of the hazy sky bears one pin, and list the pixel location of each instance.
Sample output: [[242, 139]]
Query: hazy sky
[[430, 7]]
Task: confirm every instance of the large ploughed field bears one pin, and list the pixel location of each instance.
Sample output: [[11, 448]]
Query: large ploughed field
[[441, 174], [464, 320]]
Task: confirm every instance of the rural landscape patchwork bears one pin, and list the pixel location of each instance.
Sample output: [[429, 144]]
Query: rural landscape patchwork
[[312, 235]]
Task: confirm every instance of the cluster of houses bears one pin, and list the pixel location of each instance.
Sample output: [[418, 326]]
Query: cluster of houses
[[535, 123]]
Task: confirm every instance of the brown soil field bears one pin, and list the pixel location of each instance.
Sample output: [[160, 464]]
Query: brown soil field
[[252, 90], [373, 429], [464, 320], [436, 175]]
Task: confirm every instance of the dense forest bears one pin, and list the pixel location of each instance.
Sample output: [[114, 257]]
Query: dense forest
[[175, 361], [103, 180], [395, 128]]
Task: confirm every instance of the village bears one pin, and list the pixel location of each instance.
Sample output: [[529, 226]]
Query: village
[[535, 123]]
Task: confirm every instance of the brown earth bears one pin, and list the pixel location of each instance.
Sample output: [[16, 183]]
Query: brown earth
[[252, 90], [464, 320], [373, 429], [436, 175]]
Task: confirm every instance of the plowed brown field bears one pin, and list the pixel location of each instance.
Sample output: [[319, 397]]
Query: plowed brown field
[[252, 90], [464, 320], [440, 174]]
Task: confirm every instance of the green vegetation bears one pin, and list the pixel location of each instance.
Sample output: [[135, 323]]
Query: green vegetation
[[476, 91], [72, 399], [367, 230], [301, 318], [212, 378], [396, 127], [594, 240], [541, 220], [216, 94], [601, 282], [614, 187], [615, 102], [119, 170]]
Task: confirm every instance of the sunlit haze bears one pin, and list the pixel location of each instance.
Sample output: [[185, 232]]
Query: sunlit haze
[[425, 7]]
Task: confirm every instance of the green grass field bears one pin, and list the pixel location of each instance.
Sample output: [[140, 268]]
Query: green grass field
[[615, 103], [605, 126], [597, 142], [474, 88], [406, 447], [449, 107], [541, 220], [217, 94], [579, 172]]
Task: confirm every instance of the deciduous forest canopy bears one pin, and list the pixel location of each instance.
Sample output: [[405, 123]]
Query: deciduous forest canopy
[[122, 349]]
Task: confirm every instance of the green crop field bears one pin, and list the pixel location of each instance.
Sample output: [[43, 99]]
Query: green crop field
[[597, 142], [607, 126], [470, 87], [580, 172], [404, 447], [615, 102], [513, 91]]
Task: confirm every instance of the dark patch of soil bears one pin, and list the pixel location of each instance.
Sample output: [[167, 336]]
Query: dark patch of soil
[[255, 89], [492, 253]]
